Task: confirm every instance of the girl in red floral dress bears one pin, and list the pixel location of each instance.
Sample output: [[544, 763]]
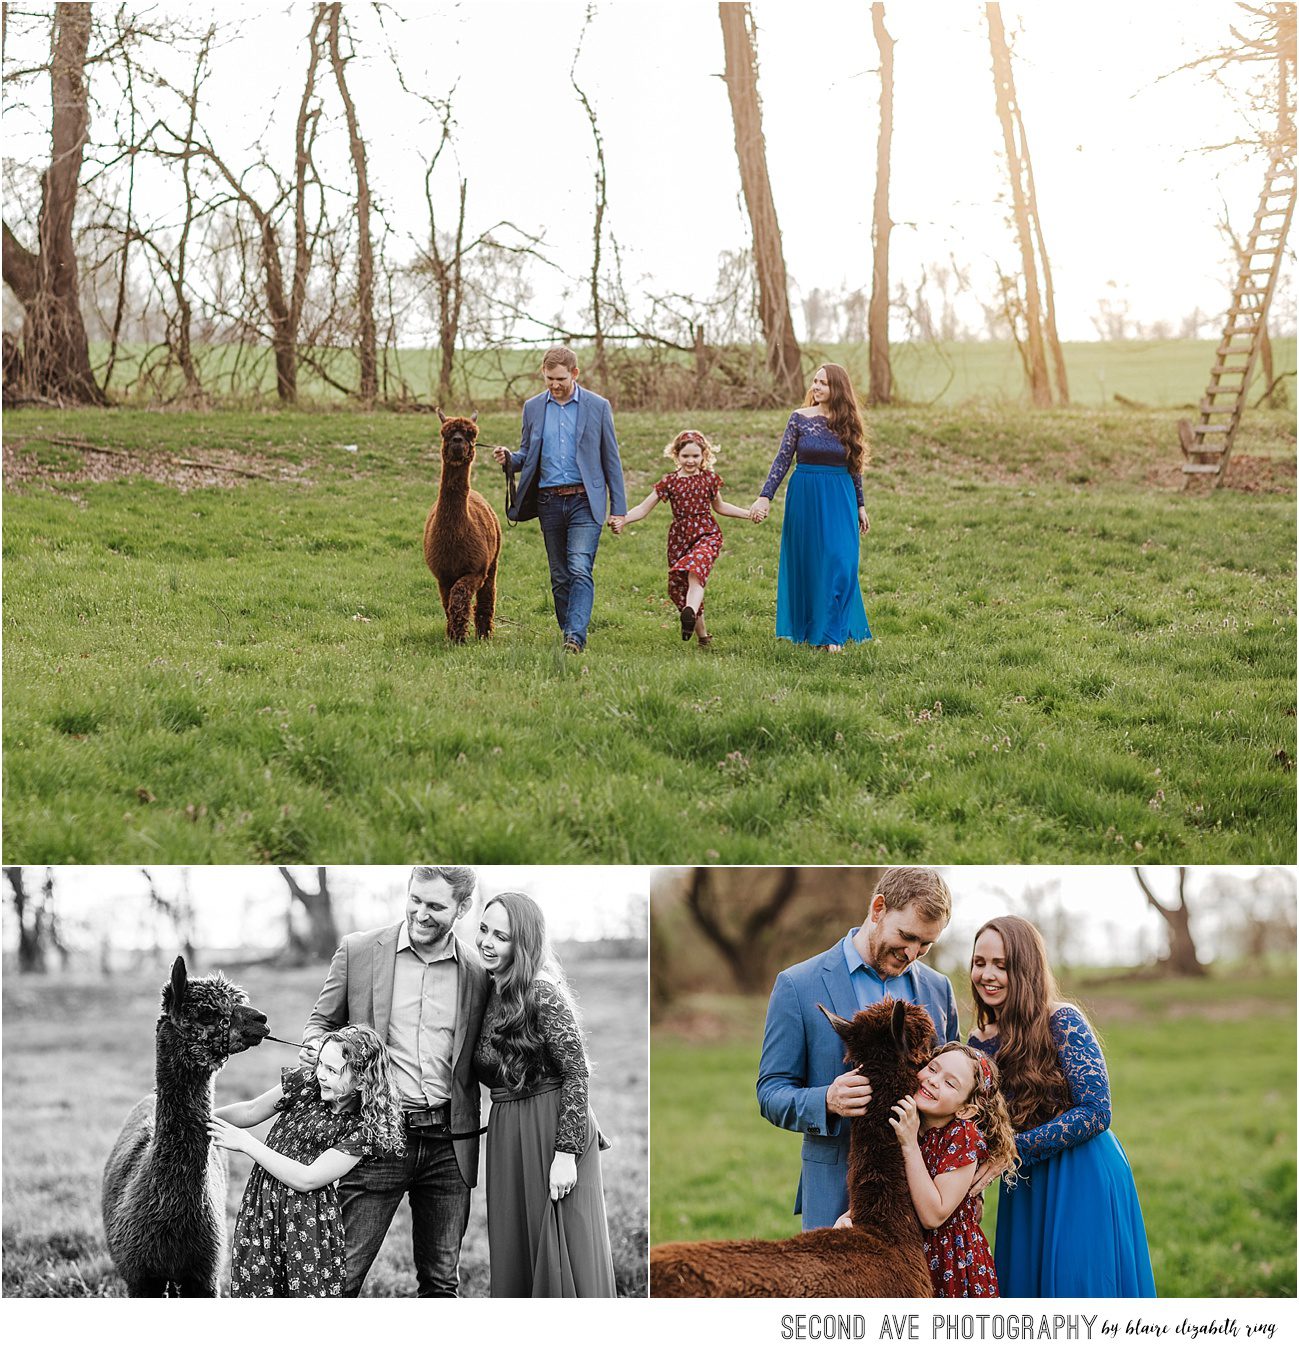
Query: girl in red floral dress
[[955, 1121], [694, 538]]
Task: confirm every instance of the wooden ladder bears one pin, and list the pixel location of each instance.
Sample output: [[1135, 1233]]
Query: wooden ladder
[[1206, 445]]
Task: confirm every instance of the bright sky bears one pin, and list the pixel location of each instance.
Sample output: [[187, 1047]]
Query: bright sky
[[1126, 197], [242, 904]]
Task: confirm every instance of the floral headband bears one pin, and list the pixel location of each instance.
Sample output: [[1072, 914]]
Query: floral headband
[[987, 1071], [697, 437]]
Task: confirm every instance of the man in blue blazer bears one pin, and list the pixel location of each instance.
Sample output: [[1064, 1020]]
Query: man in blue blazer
[[803, 1084], [570, 480]]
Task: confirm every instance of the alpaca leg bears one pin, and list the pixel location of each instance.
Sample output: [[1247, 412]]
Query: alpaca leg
[[462, 593], [485, 604]]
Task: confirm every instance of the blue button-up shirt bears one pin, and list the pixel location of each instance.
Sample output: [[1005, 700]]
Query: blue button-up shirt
[[867, 984], [559, 442]]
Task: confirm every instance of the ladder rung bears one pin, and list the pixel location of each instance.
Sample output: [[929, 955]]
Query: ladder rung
[[1206, 406], [1224, 389], [1227, 370], [1210, 429], [1201, 469]]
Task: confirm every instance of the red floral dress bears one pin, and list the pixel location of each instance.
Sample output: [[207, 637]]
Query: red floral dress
[[694, 537], [960, 1262]]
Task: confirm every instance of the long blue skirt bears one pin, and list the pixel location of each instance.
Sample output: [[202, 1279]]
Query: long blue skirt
[[1072, 1226], [818, 596]]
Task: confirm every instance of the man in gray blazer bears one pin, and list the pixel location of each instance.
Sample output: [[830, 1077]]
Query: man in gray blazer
[[424, 993], [570, 476]]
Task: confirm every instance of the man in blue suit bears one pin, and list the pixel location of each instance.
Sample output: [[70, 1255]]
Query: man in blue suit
[[570, 480], [803, 1084]]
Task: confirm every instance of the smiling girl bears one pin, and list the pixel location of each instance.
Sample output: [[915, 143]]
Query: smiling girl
[[955, 1121], [288, 1237]]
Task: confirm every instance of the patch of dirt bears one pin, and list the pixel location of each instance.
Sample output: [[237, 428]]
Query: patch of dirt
[[58, 462], [1245, 474]]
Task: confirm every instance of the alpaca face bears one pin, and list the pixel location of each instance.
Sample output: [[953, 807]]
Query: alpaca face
[[885, 1037], [211, 1017], [459, 437]]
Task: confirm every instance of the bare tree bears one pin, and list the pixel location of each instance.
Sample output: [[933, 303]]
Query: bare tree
[[881, 370], [321, 938], [741, 937], [55, 356], [601, 203], [39, 929], [1182, 957], [177, 910], [1038, 306], [784, 360], [366, 338]]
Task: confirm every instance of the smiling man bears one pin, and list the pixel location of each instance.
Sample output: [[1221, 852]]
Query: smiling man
[[802, 1083], [424, 993]]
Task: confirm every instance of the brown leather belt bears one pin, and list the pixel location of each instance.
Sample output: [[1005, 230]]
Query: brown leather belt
[[565, 490]]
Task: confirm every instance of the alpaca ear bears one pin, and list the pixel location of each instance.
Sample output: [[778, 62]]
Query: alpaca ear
[[473, 417], [840, 1026], [174, 992], [899, 1026], [442, 417]]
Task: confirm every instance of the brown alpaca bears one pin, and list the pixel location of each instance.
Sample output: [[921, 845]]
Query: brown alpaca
[[881, 1254], [462, 537]]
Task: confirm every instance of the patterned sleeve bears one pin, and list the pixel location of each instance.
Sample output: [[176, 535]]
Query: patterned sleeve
[[1089, 1085], [662, 489], [353, 1143], [564, 1044], [965, 1147], [293, 1084], [784, 458], [856, 483]]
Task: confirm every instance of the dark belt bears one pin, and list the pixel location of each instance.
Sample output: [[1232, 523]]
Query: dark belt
[[565, 490], [436, 1122]]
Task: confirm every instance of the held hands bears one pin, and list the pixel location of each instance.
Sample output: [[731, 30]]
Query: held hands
[[863, 521], [227, 1135], [904, 1118], [849, 1095], [616, 524], [758, 512], [563, 1175]]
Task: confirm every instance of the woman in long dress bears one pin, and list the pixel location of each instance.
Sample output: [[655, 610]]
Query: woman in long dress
[[546, 1228], [1072, 1226], [818, 594]]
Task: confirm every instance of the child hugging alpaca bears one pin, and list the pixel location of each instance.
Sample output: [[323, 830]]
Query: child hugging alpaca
[[955, 1121], [694, 537]]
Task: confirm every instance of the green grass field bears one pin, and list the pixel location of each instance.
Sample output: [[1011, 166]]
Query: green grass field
[[1073, 661], [1202, 1076], [78, 1052]]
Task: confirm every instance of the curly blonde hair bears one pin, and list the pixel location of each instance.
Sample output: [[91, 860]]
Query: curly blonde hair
[[383, 1126], [689, 434], [991, 1115]]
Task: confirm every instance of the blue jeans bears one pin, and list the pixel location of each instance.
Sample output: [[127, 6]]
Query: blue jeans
[[439, 1209], [572, 535]]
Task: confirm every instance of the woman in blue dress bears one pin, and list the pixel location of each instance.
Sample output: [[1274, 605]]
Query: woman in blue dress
[[1072, 1226], [818, 595]]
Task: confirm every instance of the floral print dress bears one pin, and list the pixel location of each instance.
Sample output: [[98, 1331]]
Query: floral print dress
[[694, 537], [960, 1262], [289, 1243]]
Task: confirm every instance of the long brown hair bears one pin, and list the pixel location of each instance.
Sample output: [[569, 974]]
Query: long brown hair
[[517, 1037], [844, 416], [991, 1111], [1036, 1090]]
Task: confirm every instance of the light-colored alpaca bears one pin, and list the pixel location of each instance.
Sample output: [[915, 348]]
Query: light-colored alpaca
[[462, 537], [881, 1253], [164, 1193]]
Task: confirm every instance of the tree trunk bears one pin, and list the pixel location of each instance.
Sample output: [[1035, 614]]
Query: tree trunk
[[881, 370], [31, 948], [56, 353], [366, 341], [1182, 959], [741, 943], [784, 361], [1034, 351], [597, 229], [322, 930]]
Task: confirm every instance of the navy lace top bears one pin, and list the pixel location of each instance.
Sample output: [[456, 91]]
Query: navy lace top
[[808, 440], [1083, 1064]]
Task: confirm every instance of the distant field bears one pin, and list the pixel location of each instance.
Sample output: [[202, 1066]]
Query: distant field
[[1163, 373], [1202, 1076], [79, 1052], [1073, 661]]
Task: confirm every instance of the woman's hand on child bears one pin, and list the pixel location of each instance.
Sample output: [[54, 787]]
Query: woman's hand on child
[[563, 1175], [226, 1134], [863, 521], [758, 512], [904, 1118]]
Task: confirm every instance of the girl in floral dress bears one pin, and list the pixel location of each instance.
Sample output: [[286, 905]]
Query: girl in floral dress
[[955, 1121], [289, 1232], [694, 538]]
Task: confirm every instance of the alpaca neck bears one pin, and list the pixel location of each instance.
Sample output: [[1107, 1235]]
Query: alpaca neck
[[455, 483], [182, 1108]]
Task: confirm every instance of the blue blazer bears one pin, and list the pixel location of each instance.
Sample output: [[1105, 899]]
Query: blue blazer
[[802, 1054], [597, 457]]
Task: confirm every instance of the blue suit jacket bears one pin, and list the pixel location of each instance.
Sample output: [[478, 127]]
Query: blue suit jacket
[[597, 457], [802, 1054]]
